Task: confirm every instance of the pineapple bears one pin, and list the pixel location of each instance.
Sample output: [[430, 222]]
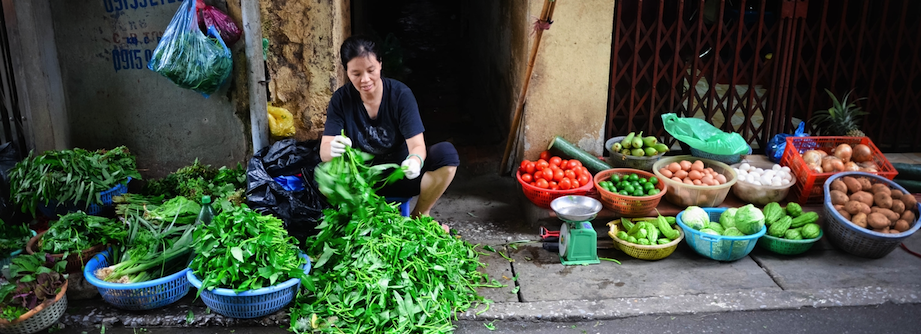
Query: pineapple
[[842, 119]]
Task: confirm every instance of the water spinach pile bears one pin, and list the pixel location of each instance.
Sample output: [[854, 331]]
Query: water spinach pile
[[376, 271]]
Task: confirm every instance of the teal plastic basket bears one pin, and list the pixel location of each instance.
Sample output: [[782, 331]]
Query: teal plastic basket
[[726, 159], [718, 247], [137, 296], [9, 259], [252, 303]]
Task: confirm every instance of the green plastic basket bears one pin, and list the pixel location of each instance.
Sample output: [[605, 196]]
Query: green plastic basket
[[786, 246]]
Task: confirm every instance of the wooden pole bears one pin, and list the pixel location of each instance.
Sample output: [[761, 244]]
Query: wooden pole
[[546, 15], [255, 69]]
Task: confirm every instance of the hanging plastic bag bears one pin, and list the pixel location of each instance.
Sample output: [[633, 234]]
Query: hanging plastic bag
[[776, 146], [703, 136], [281, 122], [212, 16], [189, 58]]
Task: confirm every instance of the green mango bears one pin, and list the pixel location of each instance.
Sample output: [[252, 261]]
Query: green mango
[[625, 151], [616, 147], [651, 151], [650, 141], [628, 141], [638, 152], [661, 147], [638, 141]]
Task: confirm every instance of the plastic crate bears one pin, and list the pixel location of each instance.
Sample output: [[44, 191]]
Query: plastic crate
[[643, 252], [786, 246], [252, 303], [39, 318], [75, 261], [52, 209], [858, 240], [628, 206], [808, 187], [137, 296], [542, 197], [716, 246], [726, 159]]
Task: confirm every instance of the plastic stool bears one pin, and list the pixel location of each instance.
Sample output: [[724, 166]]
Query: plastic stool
[[404, 204]]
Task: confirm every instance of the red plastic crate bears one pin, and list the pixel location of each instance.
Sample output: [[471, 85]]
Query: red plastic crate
[[808, 187]]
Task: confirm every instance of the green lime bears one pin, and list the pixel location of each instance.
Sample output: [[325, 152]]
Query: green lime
[[642, 180], [623, 192], [648, 186], [635, 184], [629, 188], [653, 180], [615, 178], [638, 193], [653, 192], [632, 177]]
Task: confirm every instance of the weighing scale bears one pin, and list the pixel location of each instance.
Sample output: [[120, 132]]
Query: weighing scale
[[578, 240]]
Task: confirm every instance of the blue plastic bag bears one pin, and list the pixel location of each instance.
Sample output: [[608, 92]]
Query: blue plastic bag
[[778, 144]]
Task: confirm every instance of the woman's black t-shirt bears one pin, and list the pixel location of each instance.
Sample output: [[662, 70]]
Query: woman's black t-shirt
[[385, 136]]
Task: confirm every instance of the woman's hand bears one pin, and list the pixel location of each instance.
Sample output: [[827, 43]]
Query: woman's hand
[[338, 145], [412, 166]]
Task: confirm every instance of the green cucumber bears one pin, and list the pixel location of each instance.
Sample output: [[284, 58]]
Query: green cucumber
[[913, 186], [908, 171], [569, 150]]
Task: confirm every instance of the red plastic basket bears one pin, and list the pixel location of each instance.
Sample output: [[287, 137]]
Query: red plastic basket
[[542, 197], [628, 206], [808, 187]]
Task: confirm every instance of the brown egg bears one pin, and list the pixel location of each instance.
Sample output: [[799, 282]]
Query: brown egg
[[707, 179], [697, 165], [674, 167], [697, 182], [677, 179], [710, 169], [688, 181], [685, 165], [720, 178], [681, 174], [695, 175], [665, 172]]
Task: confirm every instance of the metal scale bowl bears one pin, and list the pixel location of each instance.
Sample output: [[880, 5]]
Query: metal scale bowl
[[578, 240]]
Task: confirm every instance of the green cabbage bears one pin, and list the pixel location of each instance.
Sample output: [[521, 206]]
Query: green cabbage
[[709, 231], [733, 232], [695, 217], [749, 219], [716, 227], [727, 219]]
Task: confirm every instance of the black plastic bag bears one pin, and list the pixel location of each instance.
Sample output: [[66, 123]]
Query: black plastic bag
[[301, 210], [9, 157]]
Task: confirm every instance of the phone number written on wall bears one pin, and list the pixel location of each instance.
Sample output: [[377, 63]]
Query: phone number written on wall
[[122, 5], [130, 52]]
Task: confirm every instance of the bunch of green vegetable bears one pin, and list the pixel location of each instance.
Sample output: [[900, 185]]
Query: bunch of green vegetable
[[225, 185], [69, 176], [377, 271], [156, 246], [791, 222], [648, 231], [33, 280], [13, 237], [244, 250], [77, 231]]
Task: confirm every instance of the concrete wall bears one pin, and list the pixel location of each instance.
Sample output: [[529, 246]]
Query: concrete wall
[[568, 92], [115, 100]]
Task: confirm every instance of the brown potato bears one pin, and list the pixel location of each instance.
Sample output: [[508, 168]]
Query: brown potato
[[859, 219], [838, 197], [881, 188], [839, 185], [844, 214], [895, 194], [855, 207], [882, 199], [877, 220], [893, 231], [892, 216], [882, 230], [897, 206], [863, 196], [852, 184], [865, 183], [908, 215], [910, 202], [839, 206], [902, 225]]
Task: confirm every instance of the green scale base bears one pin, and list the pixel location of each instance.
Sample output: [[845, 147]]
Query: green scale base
[[578, 244]]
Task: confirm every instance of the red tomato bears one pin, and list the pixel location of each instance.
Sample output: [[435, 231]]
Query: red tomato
[[565, 184], [569, 174], [545, 155], [541, 164], [530, 168], [541, 183], [564, 164], [527, 177], [524, 166], [555, 161], [577, 170], [578, 163], [558, 175], [548, 174], [554, 186], [584, 179], [573, 163]]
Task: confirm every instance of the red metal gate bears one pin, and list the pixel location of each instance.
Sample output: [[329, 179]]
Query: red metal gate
[[756, 67]]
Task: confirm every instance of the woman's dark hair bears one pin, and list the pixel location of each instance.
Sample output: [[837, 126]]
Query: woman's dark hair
[[357, 46]]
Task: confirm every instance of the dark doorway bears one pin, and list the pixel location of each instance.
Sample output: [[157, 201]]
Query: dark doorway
[[425, 45]]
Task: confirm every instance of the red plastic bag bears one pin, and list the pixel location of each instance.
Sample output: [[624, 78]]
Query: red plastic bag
[[211, 16]]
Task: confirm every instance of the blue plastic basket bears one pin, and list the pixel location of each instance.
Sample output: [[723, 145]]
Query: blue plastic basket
[[252, 303], [726, 159], [858, 240], [9, 259], [137, 296], [52, 209], [716, 246]]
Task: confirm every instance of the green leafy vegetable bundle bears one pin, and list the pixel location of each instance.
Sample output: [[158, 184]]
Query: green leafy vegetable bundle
[[378, 271], [224, 185], [69, 176], [32, 281], [244, 250], [13, 237], [77, 231]]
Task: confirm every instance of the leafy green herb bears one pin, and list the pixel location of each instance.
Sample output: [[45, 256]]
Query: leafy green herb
[[515, 290], [490, 325], [33, 279], [13, 237], [377, 271], [244, 250], [224, 185], [608, 259], [78, 231], [69, 176]]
